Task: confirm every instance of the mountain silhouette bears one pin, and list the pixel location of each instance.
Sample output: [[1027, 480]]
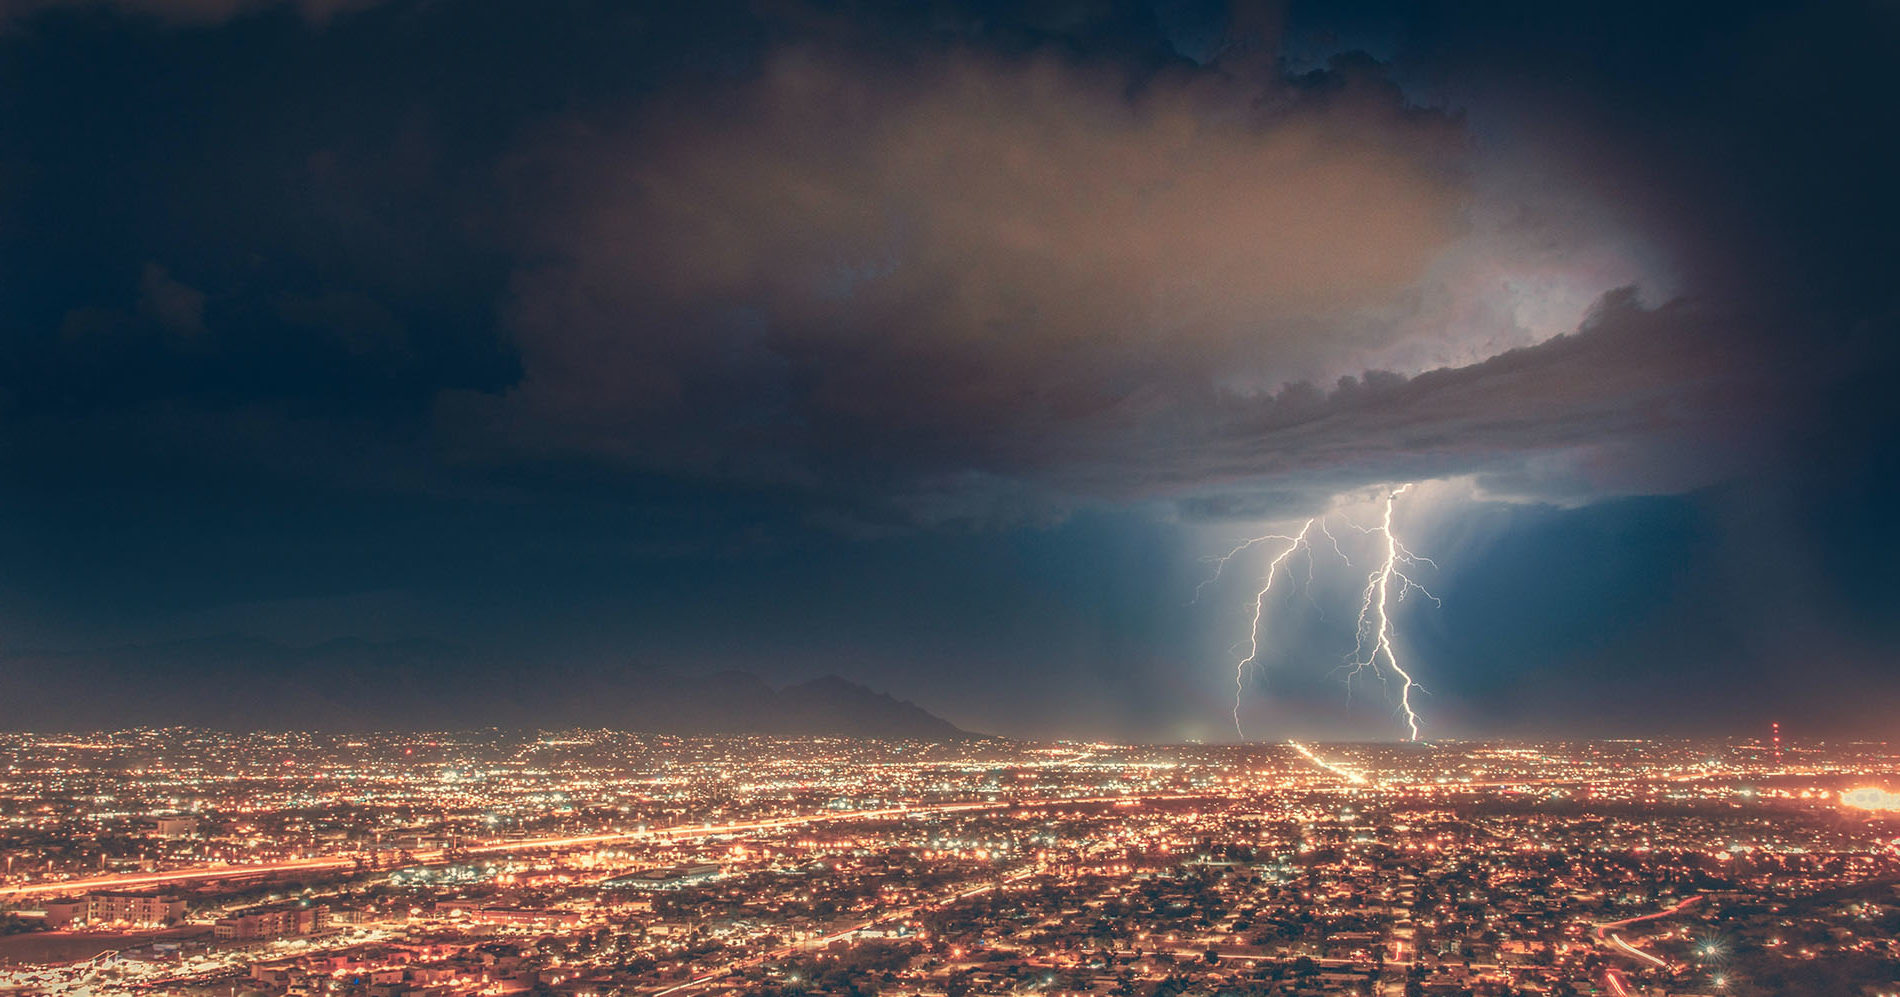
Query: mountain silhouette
[[242, 683]]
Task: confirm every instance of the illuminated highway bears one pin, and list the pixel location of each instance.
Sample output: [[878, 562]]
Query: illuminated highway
[[1356, 778], [1606, 932], [439, 856]]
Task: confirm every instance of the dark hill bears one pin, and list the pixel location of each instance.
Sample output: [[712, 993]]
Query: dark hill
[[239, 683]]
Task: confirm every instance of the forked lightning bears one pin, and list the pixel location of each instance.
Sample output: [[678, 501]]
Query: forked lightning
[[1373, 644], [1373, 639]]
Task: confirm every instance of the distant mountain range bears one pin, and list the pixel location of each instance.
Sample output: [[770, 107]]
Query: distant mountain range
[[354, 685]]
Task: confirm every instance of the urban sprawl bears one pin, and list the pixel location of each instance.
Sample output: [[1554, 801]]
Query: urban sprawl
[[592, 863]]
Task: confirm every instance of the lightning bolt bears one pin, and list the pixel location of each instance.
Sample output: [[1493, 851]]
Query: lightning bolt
[[1389, 583], [1220, 560], [1297, 541], [1374, 635]]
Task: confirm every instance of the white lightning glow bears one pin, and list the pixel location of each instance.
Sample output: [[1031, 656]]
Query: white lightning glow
[[1293, 543], [1220, 560], [1259, 607], [1374, 634], [1389, 583]]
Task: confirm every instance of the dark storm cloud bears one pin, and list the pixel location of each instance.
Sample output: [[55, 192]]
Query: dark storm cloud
[[185, 12], [969, 278], [502, 313], [959, 254]]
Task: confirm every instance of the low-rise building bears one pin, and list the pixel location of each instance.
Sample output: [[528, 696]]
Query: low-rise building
[[272, 923]]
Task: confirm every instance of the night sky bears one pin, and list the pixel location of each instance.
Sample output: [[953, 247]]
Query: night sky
[[938, 345]]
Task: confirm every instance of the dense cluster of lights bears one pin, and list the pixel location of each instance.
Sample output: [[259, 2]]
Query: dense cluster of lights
[[1871, 798], [594, 861]]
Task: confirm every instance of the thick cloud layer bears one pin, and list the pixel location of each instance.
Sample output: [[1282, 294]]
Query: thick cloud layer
[[186, 12], [587, 322], [945, 280], [969, 271]]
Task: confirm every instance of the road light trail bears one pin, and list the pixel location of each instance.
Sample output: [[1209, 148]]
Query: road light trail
[[1607, 932], [1617, 940], [1355, 777], [439, 856]]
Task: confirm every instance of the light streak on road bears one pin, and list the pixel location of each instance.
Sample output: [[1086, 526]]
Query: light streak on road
[[679, 832], [1670, 912], [1606, 931], [1350, 775], [1617, 940]]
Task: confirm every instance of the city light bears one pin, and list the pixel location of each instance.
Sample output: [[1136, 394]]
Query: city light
[[1871, 798], [693, 867]]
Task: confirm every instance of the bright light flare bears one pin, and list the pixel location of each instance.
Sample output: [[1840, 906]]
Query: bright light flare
[[1355, 777], [1871, 798], [1617, 940]]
